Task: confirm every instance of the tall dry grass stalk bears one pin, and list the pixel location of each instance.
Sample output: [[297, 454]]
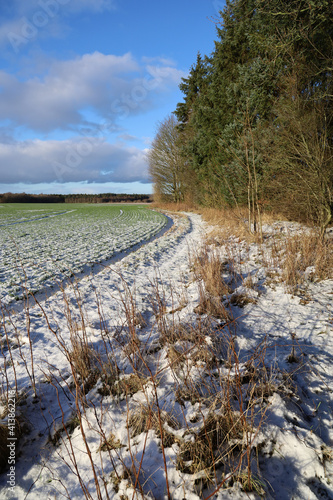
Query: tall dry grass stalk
[[213, 289], [174, 207], [306, 256], [233, 222], [303, 257], [172, 365]]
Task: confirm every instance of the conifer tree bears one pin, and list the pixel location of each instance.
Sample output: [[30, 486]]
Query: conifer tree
[[256, 122]]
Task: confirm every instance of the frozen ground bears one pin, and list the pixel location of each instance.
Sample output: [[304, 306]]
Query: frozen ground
[[81, 439], [41, 243]]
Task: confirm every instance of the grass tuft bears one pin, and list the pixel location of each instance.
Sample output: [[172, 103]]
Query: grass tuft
[[146, 417], [111, 443]]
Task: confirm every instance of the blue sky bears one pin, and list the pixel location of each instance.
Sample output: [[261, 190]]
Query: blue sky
[[84, 83]]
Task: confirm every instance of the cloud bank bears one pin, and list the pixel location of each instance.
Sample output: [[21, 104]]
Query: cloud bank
[[90, 96], [111, 86], [76, 160]]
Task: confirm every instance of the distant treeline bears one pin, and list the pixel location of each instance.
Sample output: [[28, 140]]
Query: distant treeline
[[75, 198]]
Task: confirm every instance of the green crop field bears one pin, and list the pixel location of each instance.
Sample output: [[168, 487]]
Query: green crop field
[[44, 243]]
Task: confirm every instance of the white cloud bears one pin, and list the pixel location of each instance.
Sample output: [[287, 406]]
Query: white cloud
[[55, 101], [113, 87], [74, 160]]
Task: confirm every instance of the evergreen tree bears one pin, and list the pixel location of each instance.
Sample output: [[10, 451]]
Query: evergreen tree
[[256, 122]]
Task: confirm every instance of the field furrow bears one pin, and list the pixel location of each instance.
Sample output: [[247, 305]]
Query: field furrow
[[44, 244]]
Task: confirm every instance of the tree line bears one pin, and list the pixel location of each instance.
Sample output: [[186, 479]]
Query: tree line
[[255, 126], [74, 198]]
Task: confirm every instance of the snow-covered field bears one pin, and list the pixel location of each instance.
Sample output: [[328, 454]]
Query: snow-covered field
[[43, 243], [127, 389]]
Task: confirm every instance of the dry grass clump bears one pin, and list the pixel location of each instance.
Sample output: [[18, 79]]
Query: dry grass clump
[[183, 332], [128, 385], [210, 447], [327, 454], [111, 443], [241, 299], [250, 483], [212, 306], [176, 357], [173, 207], [306, 252], [302, 258], [223, 444], [132, 345], [149, 417], [84, 363], [205, 354], [189, 392], [110, 374], [67, 428], [264, 390], [196, 343], [117, 477], [139, 320], [157, 298], [204, 390], [81, 356], [208, 268], [261, 384], [231, 222]]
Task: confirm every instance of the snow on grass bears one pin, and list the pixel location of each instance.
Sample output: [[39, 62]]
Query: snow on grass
[[41, 245], [141, 394]]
